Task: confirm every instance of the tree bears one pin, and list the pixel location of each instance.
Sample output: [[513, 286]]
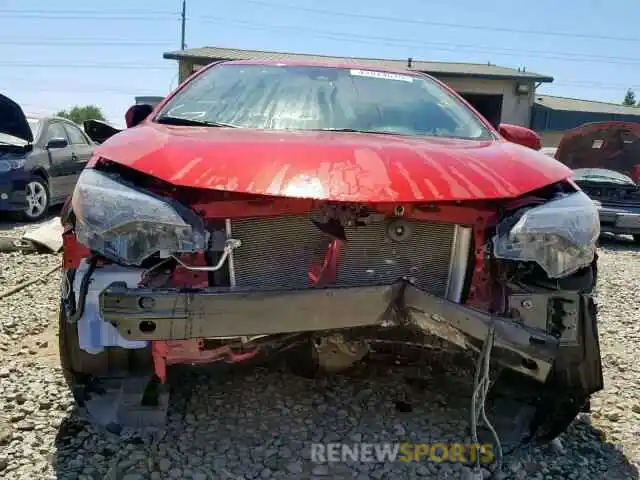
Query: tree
[[629, 99], [80, 114]]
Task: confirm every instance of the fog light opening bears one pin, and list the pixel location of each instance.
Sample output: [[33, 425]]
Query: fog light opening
[[147, 326]]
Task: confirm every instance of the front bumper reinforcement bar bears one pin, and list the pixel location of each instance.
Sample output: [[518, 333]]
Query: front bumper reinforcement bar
[[525, 336]]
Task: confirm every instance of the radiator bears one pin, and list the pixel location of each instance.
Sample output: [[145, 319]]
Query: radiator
[[278, 252]]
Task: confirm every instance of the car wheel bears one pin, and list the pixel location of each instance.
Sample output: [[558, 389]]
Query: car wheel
[[84, 372], [636, 238], [37, 199]]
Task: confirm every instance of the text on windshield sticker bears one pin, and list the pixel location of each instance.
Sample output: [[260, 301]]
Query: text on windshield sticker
[[384, 75]]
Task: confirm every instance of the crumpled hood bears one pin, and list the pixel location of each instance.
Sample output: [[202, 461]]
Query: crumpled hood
[[13, 120], [609, 145], [331, 165]]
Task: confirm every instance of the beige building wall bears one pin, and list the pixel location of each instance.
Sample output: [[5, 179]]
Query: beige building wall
[[185, 68], [516, 109]]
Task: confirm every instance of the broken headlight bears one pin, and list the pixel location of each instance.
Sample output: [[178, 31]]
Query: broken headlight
[[559, 235], [127, 225]]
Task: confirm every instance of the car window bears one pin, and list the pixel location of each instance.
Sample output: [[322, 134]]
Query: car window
[[55, 130], [75, 135], [278, 97]]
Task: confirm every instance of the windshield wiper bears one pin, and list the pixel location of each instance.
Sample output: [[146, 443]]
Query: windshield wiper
[[187, 122], [353, 130]]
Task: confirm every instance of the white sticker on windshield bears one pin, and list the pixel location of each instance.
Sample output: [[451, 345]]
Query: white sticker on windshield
[[384, 75], [597, 144]]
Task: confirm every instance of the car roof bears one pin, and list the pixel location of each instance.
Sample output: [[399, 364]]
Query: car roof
[[43, 118]]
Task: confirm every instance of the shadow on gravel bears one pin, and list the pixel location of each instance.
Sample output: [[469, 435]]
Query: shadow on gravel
[[590, 444], [229, 422]]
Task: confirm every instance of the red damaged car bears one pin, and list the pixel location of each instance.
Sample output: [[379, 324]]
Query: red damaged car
[[263, 205]]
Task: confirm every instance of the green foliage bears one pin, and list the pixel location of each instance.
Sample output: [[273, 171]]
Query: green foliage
[[80, 114], [630, 99]]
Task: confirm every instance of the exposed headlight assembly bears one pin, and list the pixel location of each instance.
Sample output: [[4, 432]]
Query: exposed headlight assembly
[[127, 225], [14, 164], [559, 235]]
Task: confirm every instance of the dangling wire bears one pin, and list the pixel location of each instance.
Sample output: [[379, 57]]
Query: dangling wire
[[481, 386]]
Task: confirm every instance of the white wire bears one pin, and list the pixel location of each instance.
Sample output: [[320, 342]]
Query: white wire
[[481, 386]]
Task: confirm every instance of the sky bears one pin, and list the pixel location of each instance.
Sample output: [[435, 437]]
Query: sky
[[54, 55]]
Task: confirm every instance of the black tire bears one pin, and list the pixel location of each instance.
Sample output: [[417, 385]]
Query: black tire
[[636, 238], [41, 184], [83, 371]]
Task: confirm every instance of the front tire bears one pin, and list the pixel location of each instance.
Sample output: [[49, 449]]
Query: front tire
[[38, 199]]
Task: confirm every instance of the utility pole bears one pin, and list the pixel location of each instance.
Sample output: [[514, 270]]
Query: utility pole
[[184, 22]]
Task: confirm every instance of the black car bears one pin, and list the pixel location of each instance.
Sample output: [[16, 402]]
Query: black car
[[617, 197], [40, 160]]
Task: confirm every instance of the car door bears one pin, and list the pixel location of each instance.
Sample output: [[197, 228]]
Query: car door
[[82, 149], [61, 163]]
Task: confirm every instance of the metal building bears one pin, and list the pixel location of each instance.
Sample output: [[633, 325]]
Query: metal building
[[552, 116]]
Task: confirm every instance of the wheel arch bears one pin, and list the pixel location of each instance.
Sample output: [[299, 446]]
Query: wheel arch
[[39, 171]]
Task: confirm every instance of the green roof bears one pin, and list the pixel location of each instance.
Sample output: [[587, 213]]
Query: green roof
[[444, 69]]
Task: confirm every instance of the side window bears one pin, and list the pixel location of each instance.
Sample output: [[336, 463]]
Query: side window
[[75, 135], [55, 130]]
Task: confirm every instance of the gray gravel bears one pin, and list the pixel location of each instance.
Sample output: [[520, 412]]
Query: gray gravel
[[259, 424]]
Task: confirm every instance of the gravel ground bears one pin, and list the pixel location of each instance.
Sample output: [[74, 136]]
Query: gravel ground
[[258, 424]]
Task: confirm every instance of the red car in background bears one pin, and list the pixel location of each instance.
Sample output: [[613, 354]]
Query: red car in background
[[265, 205], [605, 157]]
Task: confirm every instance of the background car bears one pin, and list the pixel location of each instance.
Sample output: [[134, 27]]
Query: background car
[[610, 145], [40, 160], [605, 158], [617, 196]]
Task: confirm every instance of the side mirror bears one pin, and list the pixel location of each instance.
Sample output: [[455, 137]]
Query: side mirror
[[520, 135], [57, 143], [137, 113]]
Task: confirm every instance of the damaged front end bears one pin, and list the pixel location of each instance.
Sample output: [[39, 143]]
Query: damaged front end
[[159, 276]]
